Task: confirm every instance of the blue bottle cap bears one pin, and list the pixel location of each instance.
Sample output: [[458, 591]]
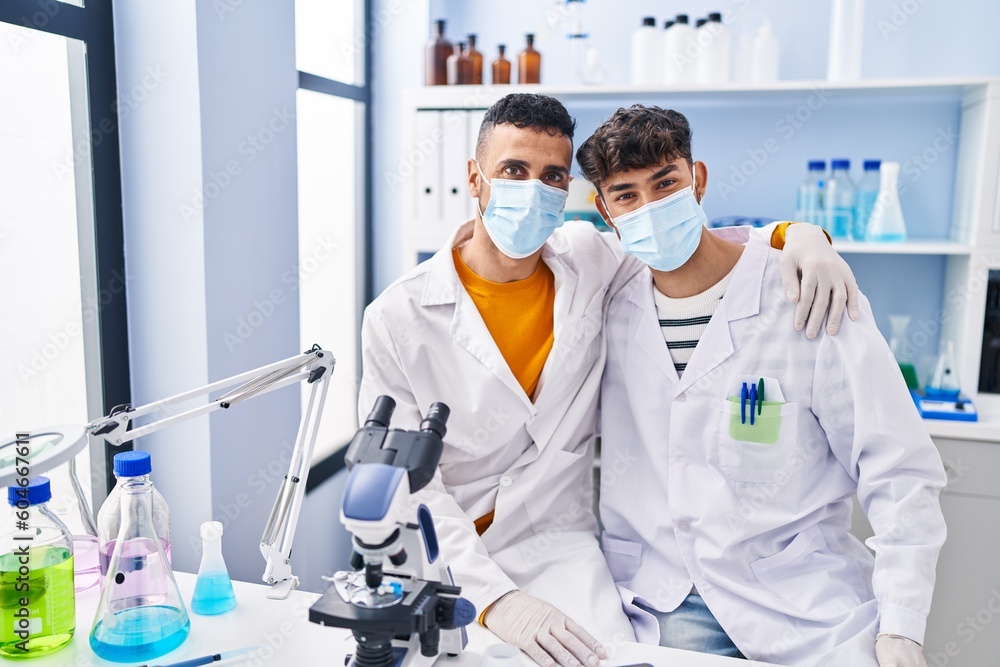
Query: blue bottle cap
[[873, 165], [38, 491], [840, 164], [132, 464], [817, 165]]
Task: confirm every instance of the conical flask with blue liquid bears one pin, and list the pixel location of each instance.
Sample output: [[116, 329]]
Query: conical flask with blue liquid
[[213, 592], [141, 615]]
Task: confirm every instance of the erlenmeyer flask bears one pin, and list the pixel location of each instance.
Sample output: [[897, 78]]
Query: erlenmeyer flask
[[213, 592], [141, 615]]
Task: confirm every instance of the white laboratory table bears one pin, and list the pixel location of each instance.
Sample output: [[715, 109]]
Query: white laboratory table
[[286, 637]]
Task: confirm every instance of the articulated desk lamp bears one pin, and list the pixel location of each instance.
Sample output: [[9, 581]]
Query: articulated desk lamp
[[51, 447]]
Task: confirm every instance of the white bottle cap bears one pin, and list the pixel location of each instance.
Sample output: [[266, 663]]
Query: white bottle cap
[[211, 530]]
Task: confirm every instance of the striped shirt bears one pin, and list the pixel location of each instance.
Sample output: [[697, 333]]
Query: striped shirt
[[684, 320]]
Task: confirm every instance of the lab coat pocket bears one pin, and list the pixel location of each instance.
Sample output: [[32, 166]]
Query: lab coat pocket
[[623, 558], [809, 580], [762, 452], [564, 496]]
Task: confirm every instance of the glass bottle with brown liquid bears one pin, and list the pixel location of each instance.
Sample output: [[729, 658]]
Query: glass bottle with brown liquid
[[501, 67], [436, 57], [477, 61], [460, 65], [529, 63]]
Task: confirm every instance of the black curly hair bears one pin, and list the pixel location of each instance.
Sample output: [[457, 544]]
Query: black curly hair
[[521, 110], [634, 138]]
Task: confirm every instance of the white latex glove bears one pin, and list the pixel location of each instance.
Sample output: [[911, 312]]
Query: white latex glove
[[546, 634], [827, 280], [896, 651]]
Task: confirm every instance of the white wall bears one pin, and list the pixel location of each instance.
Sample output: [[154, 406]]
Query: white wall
[[210, 206]]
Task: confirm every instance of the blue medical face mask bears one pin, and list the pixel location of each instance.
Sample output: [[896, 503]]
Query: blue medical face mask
[[521, 215], [665, 233]]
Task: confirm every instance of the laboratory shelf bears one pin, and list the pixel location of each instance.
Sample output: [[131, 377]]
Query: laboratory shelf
[[482, 96], [916, 247]]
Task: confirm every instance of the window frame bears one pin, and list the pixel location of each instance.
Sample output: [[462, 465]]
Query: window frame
[[93, 24]]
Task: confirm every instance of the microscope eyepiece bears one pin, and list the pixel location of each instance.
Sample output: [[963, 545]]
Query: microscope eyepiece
[[382, 412], [437, 417]]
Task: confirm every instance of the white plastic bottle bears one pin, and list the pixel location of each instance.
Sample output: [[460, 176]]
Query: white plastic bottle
[[713, 39], [646, 53], [846, 38], [678, 47], [766, 56]]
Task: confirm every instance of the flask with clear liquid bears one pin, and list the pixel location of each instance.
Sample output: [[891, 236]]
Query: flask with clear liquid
[[129, 466], [213, 592], [141, 615], [945, 385], [886, 222], [37, 600]]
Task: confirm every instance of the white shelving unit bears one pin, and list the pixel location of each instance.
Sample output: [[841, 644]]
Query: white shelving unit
[[970, 251]]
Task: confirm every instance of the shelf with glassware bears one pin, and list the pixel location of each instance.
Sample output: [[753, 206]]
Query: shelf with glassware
[[951, 204]]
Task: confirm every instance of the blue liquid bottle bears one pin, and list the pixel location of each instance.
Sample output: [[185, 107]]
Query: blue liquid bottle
[[840, 200], [868, 188], [810, 202], [141, 615], [213, 592]]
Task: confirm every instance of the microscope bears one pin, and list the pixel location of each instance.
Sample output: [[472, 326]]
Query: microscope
[[400, 601]]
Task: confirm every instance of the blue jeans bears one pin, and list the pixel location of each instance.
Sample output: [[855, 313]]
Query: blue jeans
[[692, 627]]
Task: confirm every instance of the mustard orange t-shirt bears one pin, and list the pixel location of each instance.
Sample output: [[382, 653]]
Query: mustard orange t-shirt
[[519, 317]]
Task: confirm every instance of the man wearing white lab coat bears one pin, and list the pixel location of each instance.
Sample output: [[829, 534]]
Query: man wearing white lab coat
[[517, 463], [726, 495]]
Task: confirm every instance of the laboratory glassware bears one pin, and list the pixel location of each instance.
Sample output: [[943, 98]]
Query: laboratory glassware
[[476, 58], [886, 222], [459, 65], [436, 57], [501, 66], [647, 43], [868, 188], [37, 600], [810, 205], [529, 63], [141, 615], [840, 199], [944, 384], [897, 344], [213, 592], [129, 466]]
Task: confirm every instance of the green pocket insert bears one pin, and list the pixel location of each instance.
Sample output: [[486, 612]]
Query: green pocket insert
[[765, 428]]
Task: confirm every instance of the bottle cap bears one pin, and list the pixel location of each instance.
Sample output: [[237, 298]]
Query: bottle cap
[[700, 22], [817, 165], [649, 20], [501, 48], [681, 18], [667, 24], [840, 163], [132, 464], [872, 165], [472, 40], [715, 17], [37, 491], [211, 530], [440, 24]]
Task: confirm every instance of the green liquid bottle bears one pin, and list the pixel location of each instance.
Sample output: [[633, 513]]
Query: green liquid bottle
[[37, 598]]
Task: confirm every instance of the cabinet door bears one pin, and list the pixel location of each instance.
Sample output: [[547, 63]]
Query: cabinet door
[[963, 629], [455, 156], [426, 158]]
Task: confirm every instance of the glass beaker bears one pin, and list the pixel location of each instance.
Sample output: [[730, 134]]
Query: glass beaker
[[897, 344], [945, 383], [141, 615]]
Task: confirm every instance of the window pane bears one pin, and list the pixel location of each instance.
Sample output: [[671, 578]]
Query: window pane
[[330, 182], [329, 40], [43, 379]]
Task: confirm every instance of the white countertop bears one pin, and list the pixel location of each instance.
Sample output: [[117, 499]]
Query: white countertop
[[287, 638]]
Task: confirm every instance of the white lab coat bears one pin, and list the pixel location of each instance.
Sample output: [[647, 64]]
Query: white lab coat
[[762, 530], [423, 340]]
